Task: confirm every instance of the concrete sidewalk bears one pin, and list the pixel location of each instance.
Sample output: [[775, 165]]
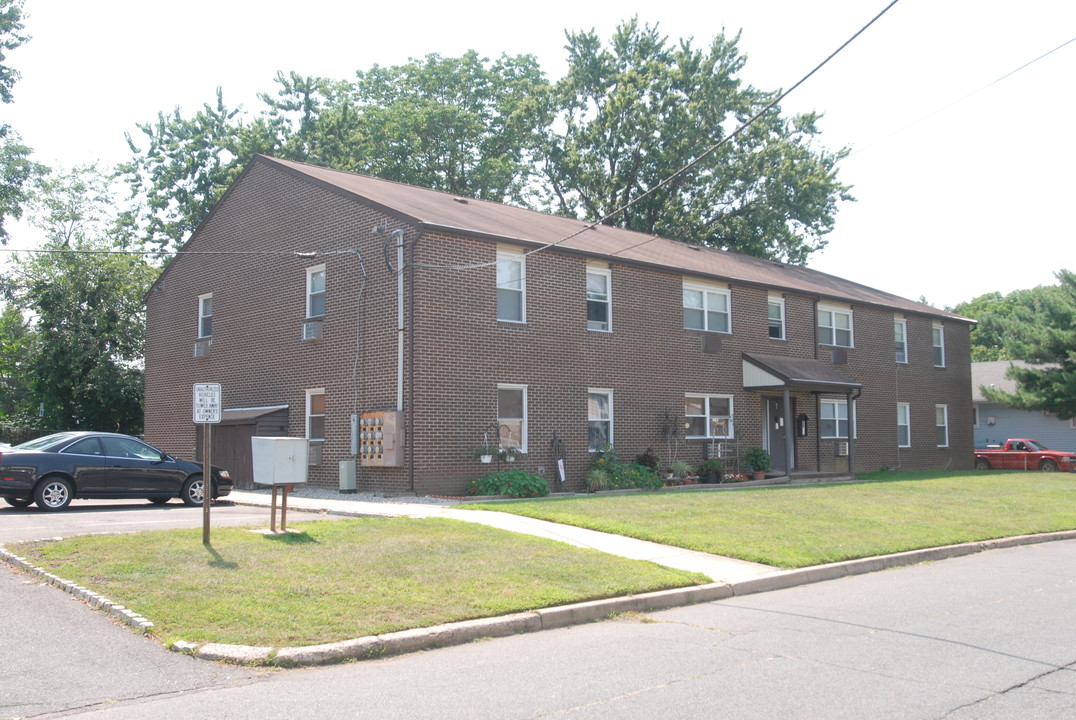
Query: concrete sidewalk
[[716, 567]]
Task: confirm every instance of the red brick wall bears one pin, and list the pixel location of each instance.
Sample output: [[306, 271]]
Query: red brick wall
[[461, 352]]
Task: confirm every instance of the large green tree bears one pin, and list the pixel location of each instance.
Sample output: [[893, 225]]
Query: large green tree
[[1042, 333], [84, 299], [17, 170], [995, 313], [633, 114], [462, 125]]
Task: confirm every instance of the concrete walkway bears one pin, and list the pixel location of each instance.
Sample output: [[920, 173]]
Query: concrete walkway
[[716, 567]]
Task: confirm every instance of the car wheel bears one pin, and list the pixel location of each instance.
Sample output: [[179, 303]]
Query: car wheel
[[53, 494], [982, 464], [159, 501], [1048, 466], [18, 502], [193, 490]]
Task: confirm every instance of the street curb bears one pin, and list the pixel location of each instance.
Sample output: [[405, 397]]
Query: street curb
[[406, 641]]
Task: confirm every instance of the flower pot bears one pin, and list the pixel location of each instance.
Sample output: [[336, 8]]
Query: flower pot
[[758, 475], [485, 459]]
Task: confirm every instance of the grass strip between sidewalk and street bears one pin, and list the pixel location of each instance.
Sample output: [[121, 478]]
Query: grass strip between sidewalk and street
[[800, 526], [338, 580]]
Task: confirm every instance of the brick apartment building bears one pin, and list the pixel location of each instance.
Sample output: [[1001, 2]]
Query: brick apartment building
[[399, 328]]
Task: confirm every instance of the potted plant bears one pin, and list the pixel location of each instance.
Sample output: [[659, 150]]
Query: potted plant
[[508, 454], [758, 461], [483, 454], [710, 470]]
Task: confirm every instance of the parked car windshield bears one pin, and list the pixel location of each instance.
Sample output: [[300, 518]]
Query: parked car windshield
[[44, 442], [1036, 445]]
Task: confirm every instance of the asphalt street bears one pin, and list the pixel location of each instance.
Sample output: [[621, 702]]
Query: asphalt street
[[990, 635]]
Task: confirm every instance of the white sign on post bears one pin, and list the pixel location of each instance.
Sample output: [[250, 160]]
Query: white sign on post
[[207, 403]]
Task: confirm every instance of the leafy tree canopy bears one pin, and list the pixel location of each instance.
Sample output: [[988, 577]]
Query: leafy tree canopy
[[1041, 330], [604, 143]]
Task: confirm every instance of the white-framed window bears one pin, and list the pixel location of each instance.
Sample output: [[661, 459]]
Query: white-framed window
[[708, 416], [599, 418], [315, 292], [599, 299], [835, 326], [205, 315], [707, 307], [900, 339], [975, 416], [511, 286], [1072, 423], [315, 415], [904, 425], [941, 422], [512, 416], [834, 419], [939, 345], [775, 312]]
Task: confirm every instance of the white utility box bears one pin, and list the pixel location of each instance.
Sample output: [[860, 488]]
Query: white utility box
[[279, 460]]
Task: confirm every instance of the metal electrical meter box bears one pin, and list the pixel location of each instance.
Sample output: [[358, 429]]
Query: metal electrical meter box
[[381, 438], [279, 460]]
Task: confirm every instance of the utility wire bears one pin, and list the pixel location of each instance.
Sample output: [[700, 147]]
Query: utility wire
[[689, 166], [960, 100]]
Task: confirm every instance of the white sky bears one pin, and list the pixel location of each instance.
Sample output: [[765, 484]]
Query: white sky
[[969, 200]]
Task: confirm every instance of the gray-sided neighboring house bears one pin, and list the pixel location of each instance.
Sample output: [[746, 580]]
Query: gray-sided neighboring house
[[995, 423]]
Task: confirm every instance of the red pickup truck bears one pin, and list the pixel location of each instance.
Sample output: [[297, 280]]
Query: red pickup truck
[[1024, 454]]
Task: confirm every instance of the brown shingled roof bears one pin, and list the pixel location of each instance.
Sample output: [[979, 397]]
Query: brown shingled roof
[[435, 210]]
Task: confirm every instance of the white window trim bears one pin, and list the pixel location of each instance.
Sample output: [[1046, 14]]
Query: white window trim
[[506, 255], [975, 417], [849, 418], [709, 416], [837, 310], [709, 290], [903, 323], [523, 429], [608, 393], [309, 294], [780, 302], [309, 393], [608, 275], [908, 424], [938, 333], [202, 316], [945, 417]]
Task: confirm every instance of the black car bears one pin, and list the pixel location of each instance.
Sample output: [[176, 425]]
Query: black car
[[54, 469]]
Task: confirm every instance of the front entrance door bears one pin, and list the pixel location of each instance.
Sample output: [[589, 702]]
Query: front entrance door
[[775, 436]]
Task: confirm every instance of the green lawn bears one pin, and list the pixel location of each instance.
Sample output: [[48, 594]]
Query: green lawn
[[809, 525], [338, 579]]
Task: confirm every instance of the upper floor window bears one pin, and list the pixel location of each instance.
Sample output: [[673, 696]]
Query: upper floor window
[[900, 339], [205, 315], [315, 291], [775, 311], [904, 425], [512, 416], [511, 286], [707, 308], [834, 326], [598, 299], [708, 416], [834, 423], [939, 345], [599, 418]]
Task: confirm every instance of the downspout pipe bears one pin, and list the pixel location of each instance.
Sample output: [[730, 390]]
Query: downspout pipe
[[851, 399]]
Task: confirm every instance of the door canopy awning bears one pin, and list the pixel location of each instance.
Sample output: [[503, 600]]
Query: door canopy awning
[[776, 372]]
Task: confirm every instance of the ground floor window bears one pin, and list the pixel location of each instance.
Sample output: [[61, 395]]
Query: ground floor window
[[834, 419], [599, 418], [941, 422], [904, 425], [708, 416], [512, 416], [315, 424]]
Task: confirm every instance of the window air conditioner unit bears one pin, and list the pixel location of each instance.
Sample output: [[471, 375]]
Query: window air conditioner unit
[[842, 448], [312, 330], [201, 348]]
